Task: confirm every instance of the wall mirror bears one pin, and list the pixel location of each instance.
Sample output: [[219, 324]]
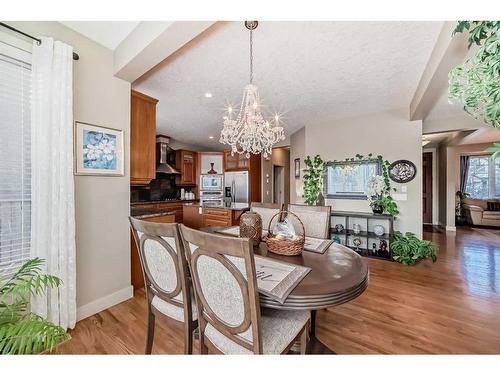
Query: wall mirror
[[348, 179]]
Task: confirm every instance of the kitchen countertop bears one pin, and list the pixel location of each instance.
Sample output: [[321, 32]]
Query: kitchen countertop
[[227, 206], [163, 201], [144, 213]]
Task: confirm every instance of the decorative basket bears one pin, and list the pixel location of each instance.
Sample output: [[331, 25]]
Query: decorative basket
[[285, 246]]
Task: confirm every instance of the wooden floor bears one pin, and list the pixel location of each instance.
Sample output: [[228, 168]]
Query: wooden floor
[[451, 306]]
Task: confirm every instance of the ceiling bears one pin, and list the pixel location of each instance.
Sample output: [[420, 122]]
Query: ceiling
[[107, 33], [310, 71]]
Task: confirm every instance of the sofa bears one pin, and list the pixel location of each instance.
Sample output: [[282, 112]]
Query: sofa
[[482, 212]]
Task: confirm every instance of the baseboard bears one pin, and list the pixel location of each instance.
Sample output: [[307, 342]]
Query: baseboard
[[104, 303], [451, 229]]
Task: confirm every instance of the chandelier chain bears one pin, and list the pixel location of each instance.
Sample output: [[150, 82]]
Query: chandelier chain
[[251, 56]]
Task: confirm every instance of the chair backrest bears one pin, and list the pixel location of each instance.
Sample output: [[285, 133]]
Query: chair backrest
[[163, 263], [223, 274], [316, 219], [266, 211]]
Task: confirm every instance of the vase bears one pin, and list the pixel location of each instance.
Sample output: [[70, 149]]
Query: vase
[[377, 208], [251, 227], [321, 199]]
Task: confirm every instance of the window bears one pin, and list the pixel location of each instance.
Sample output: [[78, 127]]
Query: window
[[483, 177], [15, 163]]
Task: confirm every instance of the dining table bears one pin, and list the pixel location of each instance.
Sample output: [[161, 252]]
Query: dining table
[[337, 276]]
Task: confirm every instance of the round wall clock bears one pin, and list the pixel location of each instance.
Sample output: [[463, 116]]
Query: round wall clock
[[402, 171]]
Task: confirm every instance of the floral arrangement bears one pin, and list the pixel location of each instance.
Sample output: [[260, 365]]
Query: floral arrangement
[[379, 196]]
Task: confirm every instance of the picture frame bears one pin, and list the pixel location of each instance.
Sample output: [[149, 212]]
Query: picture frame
[[297, 167], [98, 150]]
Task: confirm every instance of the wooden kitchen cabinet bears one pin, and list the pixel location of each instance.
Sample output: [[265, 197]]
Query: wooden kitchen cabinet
[[185, 162], [235, 162], [142, 138]]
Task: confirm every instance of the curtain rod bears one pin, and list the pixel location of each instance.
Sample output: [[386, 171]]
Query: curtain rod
[[39, 41]]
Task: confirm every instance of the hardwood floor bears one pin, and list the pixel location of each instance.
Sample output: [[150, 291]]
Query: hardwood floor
[[451, 306]]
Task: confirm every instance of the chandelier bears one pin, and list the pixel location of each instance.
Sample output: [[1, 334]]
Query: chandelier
[[249, 132]]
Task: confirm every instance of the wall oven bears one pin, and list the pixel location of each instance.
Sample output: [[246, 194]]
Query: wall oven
[[212, 182], [211, 198]]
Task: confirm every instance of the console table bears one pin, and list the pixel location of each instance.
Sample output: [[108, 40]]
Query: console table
[[370, 244]]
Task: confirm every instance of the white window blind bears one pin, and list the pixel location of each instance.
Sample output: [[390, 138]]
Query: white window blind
[[15, 159]]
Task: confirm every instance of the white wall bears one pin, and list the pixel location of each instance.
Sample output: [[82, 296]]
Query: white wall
[[102, 203], [389, 134], [297, 150]]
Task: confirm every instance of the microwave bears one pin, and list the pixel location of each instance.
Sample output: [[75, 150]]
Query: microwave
[[212, 182]]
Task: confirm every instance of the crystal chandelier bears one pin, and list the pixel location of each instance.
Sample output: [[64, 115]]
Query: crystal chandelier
[[249, 132]]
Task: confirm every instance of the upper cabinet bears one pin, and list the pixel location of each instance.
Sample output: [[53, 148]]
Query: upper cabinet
[[209, 160], [185, 162], [142, 138], [235, 162]]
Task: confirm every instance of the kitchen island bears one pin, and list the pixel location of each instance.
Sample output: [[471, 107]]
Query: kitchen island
[[197, 216]]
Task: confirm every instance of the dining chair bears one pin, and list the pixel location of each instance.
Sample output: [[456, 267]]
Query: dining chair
[[316, 219], [166, 278], [266, 211], [229, 314]]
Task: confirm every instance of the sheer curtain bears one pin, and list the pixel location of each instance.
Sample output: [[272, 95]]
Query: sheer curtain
[[52, 183]]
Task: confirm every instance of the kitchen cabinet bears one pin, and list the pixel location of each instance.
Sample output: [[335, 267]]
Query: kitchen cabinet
[[142, 138], [185, 162], [207, 158], [175, 206], [198, 217], [137, 277], [236, 162]]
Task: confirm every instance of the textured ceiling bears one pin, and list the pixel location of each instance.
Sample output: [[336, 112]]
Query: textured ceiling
[[107, 33], [312, 71]]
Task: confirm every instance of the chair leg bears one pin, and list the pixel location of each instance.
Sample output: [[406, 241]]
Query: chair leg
[[303, 340], [151, 331], [188, 339]]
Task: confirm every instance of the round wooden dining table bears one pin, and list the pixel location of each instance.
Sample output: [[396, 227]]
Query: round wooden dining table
[[337, 276]]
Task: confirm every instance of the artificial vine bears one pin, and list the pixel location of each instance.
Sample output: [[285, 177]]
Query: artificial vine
[[313, 174], [476, 82]]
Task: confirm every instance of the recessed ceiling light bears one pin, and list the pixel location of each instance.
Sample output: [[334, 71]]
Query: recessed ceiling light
[[208, 95], [211, 137]]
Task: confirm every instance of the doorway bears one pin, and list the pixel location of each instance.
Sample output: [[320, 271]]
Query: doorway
[[427, 188], [278, 184]]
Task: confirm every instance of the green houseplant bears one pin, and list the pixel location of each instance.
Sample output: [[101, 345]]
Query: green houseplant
[[476, 82], [22, 332], [313, 174], [408, 249]]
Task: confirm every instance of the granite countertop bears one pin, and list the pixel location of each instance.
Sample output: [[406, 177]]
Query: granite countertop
[[163, 201], [144, 213], [227, 206]]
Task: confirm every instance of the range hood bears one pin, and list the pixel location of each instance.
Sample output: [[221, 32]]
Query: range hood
[[162, 150]]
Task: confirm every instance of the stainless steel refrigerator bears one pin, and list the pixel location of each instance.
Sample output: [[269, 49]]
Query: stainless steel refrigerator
[[236, 186]]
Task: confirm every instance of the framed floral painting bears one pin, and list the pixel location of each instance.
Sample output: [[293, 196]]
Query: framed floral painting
[[98, 150]]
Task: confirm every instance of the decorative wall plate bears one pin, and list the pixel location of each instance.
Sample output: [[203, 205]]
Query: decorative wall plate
[[402, 171], [378, 230]]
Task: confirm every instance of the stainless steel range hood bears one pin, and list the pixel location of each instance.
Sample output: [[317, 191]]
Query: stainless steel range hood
[[162, 150]]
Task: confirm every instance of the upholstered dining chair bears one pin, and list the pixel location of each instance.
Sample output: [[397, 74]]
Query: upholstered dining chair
[[229, 314], [266, 211], [316, 219], [168, 287]]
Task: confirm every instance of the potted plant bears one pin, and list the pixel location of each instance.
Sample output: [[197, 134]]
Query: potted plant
[[408, 249], [460, 218], [22, 332], [379, 198], [313, 177]]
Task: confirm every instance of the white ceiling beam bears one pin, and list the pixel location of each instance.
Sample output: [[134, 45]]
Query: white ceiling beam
[[152, 42], [448, 52]]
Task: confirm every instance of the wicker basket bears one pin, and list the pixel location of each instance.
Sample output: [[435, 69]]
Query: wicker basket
[[285, 246]]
